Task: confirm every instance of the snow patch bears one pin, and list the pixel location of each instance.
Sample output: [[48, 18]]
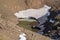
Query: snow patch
[[22, 36], [40, 14], [36, 13], [52, 21]]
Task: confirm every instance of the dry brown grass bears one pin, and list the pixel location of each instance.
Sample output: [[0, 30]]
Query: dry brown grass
[[3, 37]]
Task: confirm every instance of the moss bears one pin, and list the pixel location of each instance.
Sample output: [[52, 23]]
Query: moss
[[26, 25]]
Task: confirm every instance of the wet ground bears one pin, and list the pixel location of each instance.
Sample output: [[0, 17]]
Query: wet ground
[[50, 27]]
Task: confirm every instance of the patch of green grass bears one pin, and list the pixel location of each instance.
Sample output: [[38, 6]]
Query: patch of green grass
[[26, 24]]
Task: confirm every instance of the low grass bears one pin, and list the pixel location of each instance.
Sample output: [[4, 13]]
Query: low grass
[[26, 25]]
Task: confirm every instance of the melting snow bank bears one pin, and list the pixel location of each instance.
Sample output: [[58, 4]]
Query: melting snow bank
[[35, 13], [22, 36]]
